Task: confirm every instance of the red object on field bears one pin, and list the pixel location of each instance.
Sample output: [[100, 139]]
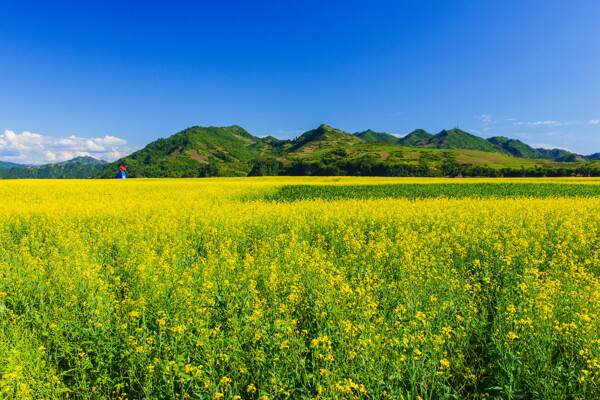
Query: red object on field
[[122, 168]]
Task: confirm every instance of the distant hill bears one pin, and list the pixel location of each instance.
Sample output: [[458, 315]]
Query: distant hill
[[451, 139], [77, 168], [6, 164], [370, 136], [83, 160], [322, 138], [417, 138], [515, 147], [558, 154], [457, 139]]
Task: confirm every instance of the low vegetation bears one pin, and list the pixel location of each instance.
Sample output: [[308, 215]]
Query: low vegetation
[[433, 190]]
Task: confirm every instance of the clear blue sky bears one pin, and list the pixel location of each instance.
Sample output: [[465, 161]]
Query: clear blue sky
[[108, 77]]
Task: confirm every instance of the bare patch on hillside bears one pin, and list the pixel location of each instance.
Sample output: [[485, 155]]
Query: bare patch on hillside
[[247, 140], [195, 156]]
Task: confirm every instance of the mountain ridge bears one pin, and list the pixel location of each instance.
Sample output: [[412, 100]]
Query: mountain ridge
[[231, 151], [372, 136], [8, 164], [75, 168]]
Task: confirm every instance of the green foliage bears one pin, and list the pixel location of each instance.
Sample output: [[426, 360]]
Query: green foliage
[[459, 139], [416, 138], [73, 170], [231, 151], [193, 152], [372, 136], [324, 136], [425, 190], [6, 164], [515, 147], [554, 154], [83, 160]]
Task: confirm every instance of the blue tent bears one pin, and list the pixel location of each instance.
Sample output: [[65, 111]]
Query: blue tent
[[121, 174]]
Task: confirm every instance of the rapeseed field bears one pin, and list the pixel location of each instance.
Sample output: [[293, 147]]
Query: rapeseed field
[[226, 289]]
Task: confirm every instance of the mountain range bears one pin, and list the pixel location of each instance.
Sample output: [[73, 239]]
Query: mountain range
[[232, 151], [7, 164], [76, 168], [459, 139]]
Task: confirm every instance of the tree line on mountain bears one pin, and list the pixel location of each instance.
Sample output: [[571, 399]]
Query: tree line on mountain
[[231, 151], [52, 171], [337, 164]]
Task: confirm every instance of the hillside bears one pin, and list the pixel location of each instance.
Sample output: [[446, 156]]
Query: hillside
[[77, 168], [322, 139], [370, 136], [515, 147], [417, 138], [449, 153], [558, 154], [195, 152], [457, 139], [7, 164], [520, 149], [84, 160], [231, 151]]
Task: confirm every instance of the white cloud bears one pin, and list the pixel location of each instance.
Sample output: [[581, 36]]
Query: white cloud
[[537, 123], [485, 118], [594, 121], [50, 156], [549, 146], [33, 148], [488, 122]]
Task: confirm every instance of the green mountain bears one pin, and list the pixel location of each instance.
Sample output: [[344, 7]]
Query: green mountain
[[595, 156], [515, 147], [7, 164], [322, 138], [372, 136], [449, 139], [231, 151], [416, 138], [77, 168], [556, 154], [195, 152], [84, 160], [459, 139]]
